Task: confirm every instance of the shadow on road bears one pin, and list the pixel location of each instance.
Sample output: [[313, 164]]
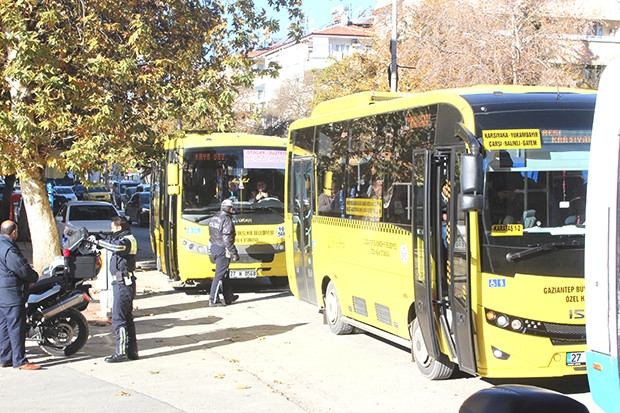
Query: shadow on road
[[565, 385]]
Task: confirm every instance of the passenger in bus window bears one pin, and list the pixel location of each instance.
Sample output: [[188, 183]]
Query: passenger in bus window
[[231, 192], [577, 205], [327, 201], [261, 191], [506, 201], [376, 189], [398, 202], [445, 197]]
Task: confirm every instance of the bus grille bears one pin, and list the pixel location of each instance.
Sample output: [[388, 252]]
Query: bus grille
[[359, 306], [383, 314]]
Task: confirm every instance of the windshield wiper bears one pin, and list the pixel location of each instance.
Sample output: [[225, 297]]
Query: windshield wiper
[[198, 218], [552, 246]]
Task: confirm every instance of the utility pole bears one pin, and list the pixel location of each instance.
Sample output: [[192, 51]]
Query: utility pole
[[393, 65]]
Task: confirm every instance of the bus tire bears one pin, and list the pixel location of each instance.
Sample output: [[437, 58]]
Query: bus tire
[[434, 369], [333, 313]]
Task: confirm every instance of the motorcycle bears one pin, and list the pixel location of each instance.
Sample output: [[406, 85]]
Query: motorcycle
[[53, 309]]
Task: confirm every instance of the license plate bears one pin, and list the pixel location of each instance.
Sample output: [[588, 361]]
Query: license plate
[[242, 273], [576, 358]]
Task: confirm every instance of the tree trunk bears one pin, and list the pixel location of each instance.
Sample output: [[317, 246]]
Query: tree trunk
[[7, 195], [43, 232]]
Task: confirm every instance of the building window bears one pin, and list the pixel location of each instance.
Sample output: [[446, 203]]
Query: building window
[[596, 30], [340, 50]]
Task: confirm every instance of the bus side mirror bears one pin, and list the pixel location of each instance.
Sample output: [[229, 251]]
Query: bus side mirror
[[471, 182], [172, 172]]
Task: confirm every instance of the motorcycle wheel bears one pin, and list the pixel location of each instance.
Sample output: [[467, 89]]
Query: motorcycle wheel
[[64, 334]]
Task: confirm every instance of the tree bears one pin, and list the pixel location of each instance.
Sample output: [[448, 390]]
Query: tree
[[358, 72], [91, 84], [456, 43], [292, 101]]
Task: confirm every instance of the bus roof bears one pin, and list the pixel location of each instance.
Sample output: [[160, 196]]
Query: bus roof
[[197, 138], [369, 103]]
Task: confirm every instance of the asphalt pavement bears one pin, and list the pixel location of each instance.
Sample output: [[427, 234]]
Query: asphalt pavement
[[268, 352]]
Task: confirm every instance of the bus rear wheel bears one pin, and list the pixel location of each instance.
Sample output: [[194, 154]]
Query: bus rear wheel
[[432, 368], [333, 312]]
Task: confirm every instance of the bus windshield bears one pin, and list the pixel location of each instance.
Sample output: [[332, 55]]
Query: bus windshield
[[253, 178], [534, 215]]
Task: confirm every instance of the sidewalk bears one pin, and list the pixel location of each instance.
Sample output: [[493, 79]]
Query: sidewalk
[[150, 281], [189, 359]]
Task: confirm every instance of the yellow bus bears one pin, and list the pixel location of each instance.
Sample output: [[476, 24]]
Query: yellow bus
[[199, 171], [450, 222]]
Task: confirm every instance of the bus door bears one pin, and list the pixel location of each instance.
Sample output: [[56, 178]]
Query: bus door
[[170, 235], [302, 198], [441, 277], [168, 216], [423, 252], [457, 274]]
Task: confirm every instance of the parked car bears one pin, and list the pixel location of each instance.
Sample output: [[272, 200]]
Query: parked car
[[143, 188], [79, 191], [94, 215], [65, 191], [138, 208], [97, 193], [118, 189]]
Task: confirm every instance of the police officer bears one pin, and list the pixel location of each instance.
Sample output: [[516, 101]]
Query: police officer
[[222, 250], [122, 266], [16, 276]]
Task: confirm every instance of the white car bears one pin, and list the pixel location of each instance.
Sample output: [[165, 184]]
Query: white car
[[94, 215], [65, 191]]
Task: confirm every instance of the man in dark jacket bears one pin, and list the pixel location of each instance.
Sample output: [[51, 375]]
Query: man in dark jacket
[[16, 276], [122, 266], [223, 250]]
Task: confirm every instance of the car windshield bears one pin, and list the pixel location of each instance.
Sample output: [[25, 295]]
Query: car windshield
[[63, 190], [97, 189], [92, 212], [126, 185]]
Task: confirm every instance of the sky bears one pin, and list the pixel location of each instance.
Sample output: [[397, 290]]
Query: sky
[[319, 11]]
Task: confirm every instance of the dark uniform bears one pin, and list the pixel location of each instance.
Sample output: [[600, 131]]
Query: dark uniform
[[222, 238], [15, 276], [122, 266]]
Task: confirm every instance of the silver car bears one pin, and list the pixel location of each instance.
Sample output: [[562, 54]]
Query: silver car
[[94, 215]]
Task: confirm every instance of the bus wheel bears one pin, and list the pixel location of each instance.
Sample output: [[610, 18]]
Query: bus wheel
[[431, 368], [333, 313]]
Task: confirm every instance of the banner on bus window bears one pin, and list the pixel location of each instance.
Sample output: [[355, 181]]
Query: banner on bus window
[[264, 159], [364, 207], [512, 139], [507, 230]]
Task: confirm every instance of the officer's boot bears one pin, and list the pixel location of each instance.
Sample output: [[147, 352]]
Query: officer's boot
[[121, 347], [216, 301]]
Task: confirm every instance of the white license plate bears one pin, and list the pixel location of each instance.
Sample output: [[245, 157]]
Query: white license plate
[[577, 358], [242, 273]]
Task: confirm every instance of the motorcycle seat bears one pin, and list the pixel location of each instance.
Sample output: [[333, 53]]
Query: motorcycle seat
[[36, 298]]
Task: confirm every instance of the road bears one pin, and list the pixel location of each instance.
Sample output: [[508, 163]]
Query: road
[[268, 352]]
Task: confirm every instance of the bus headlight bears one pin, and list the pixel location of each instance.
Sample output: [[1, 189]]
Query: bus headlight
[[516, 324], [502, 321]]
